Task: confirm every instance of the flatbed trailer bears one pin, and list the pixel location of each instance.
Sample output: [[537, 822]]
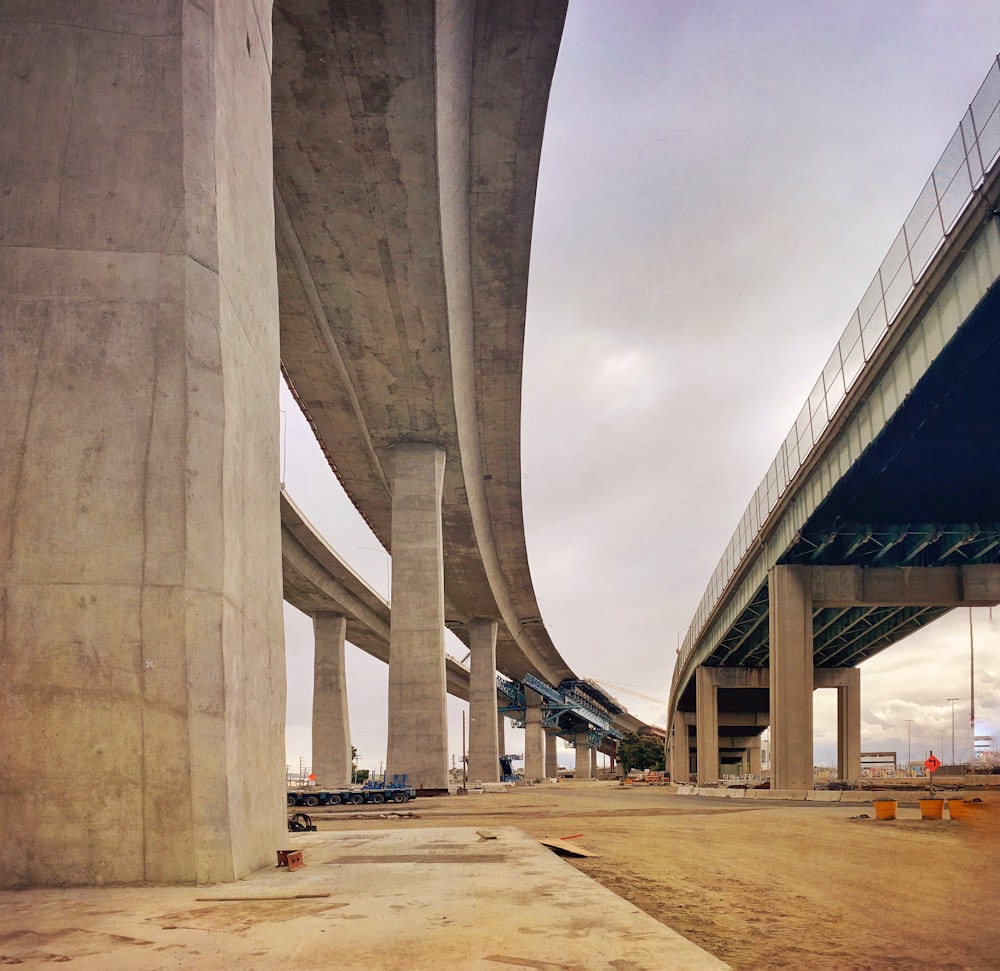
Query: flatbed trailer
[[376, 795]]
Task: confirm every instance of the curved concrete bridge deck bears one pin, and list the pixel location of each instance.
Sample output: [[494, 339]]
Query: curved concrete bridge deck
[[318, 581], [406, 149]]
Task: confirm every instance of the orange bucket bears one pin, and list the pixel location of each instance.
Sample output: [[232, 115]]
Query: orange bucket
[[931, 808], [885, 809], [971, 810]]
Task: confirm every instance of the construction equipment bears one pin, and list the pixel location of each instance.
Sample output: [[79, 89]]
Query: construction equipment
[[376, 791]]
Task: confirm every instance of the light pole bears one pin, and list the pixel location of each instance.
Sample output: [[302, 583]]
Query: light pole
[[909, 722], [952, 700]]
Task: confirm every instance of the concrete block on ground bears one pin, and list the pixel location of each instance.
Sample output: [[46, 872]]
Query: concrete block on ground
[[856, 797], [823, 795]]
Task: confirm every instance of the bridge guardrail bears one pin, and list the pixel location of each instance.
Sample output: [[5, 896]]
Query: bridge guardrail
[[971, 154]]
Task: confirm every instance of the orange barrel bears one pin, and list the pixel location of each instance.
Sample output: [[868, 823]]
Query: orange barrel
[[931, 808], [885, 808]]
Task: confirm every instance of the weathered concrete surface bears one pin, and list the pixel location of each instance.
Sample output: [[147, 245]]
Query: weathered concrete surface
[[331, 723], [407, 140], [484, 761], [428, 898], [418, 716], [317, 580], [142, 684], [791, 676], [534, 736]]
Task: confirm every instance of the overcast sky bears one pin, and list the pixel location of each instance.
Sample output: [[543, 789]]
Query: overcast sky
[[719, 183]]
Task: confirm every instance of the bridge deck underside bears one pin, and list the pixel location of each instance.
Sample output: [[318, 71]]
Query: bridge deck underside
[[406, 147], [923, 495]]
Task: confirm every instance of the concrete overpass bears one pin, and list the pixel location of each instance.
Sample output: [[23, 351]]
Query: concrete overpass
[[170, 177], [878, 513], [345, 609], [406, 149]]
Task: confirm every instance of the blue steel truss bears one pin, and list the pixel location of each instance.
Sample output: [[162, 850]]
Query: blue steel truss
[[567, 699]]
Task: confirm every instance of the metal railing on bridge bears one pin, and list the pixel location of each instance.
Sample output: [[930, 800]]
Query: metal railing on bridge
[[970, 155]]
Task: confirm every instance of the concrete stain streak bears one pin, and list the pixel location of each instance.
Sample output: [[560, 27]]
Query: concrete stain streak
[[21, 452], [69, 129]]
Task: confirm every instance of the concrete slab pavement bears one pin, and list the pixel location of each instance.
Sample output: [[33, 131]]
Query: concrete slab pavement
[[452, 898]]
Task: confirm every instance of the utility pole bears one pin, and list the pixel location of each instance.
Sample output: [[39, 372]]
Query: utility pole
[[953, 700], [972, 695], [465, 759], [909, 722]]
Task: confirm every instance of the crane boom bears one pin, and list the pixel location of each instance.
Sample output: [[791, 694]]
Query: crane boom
[[618, 687]]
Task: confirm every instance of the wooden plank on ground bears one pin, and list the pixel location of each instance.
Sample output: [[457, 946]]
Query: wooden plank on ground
[[563, 846]]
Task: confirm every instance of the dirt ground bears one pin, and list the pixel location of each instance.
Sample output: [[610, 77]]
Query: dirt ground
[[766, 884]]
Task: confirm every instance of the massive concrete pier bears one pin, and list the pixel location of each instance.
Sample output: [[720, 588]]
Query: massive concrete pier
[[140, 574], [180, 197]]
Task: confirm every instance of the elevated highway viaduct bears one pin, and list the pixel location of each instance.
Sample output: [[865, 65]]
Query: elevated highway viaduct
[[406, 149], [345, 609], [194, 197], [879, 512]]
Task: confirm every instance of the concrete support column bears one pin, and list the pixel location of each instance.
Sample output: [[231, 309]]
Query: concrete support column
[[680, 754], [790, 609], [534, 736], [551, 754], [331, 727], [849, 726], [484, 760], [593, 763], [706, 694], [142, 680], [582, 770], [501, 733], [755, 761], [418, 718]]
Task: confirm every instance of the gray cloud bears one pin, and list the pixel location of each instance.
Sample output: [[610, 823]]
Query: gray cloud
[[719, 183]]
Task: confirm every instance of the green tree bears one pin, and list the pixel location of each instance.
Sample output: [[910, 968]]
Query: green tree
[[357, 775], [640, 752]]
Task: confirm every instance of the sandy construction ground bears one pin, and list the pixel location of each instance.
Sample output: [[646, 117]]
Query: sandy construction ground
[[765, 884]]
